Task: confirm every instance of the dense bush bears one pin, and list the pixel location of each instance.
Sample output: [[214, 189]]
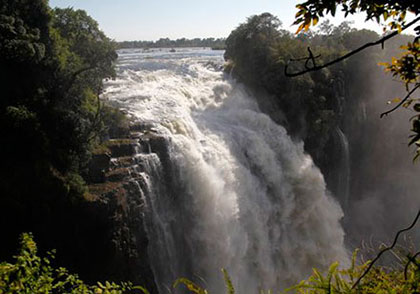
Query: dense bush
[[33, 274], [402, 280], [53, 64], [52, 67]]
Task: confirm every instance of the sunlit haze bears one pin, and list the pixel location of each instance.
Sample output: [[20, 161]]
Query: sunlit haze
[[150, 20]]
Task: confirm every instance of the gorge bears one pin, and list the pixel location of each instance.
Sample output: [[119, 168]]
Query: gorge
[[155, 164]]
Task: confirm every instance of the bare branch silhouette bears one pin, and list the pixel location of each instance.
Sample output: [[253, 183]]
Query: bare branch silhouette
[[386, 249], [339, 59], [402, 101]]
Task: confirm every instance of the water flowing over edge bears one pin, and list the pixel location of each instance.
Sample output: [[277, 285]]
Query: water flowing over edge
[[224, 185]]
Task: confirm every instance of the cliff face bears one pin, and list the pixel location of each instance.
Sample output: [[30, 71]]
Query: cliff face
[[100, 237], [116, 200]]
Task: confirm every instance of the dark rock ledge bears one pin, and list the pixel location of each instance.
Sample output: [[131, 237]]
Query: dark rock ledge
[[115, 197]]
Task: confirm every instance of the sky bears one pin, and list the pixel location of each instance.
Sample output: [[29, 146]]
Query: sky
[[124, 20]]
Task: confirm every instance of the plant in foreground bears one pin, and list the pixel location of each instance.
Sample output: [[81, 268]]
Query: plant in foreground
[[33, 274], [377, 279]]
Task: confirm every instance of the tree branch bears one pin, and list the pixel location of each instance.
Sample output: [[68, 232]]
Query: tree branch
[[351, 53], [401, 102], [76, 74], [386, 249], [82, 70], [95, 127]]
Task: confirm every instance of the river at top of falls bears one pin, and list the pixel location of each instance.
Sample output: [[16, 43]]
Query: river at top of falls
[[243, 195]]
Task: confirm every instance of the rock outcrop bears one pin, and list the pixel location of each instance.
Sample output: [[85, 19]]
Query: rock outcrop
[[115, 197]]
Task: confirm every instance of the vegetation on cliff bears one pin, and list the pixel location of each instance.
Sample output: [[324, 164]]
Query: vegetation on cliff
[[258, 50], [392, 14], [53, 63]]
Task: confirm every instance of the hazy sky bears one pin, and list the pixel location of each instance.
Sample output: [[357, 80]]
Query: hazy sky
[[154, 19]]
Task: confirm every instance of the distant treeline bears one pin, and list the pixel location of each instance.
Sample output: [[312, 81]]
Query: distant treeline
[[183, 42]]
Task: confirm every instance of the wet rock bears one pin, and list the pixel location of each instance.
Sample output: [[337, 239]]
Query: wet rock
[[117, 204], [118, 209], [125, 161], [118, 175], [98, 166], [122, 147]]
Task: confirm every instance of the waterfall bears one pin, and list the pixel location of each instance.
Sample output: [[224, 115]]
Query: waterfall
[[344, 173], [224, 186]]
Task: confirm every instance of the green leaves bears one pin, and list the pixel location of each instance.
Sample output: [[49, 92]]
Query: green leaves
[[193, 287], [376, 10], [87, 45], [33, 274], [341, 281]]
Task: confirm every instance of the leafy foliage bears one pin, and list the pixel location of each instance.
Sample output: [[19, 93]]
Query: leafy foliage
[[407, 67], [33, 274], [404, 280], [45, 56], [378, 280], [89, 48], [53, 63], [311, 11]]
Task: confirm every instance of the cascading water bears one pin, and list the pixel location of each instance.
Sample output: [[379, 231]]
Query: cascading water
[[344, 172], [225, 187]]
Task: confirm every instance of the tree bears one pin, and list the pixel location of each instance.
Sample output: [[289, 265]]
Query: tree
[[249, 46], [52, 64], [46, 91], [85, 58], [91, 49], [406, 67]]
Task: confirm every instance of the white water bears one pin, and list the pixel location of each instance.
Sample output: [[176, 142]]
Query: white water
[[235, 191], [344, 177]]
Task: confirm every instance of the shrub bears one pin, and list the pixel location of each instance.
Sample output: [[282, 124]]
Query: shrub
[[379, 279], [33, 274]]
